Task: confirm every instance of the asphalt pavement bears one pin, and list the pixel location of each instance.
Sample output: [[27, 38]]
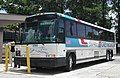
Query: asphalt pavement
[[95, 69]]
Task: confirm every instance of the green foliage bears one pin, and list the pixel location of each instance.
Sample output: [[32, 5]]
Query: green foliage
[[88, 10], [24, 7], [1, 2], [115, 5], [11, 27]]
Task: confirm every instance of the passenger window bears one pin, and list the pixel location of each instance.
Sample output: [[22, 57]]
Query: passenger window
[[60, 30], [96, 34], [68, 28], [89, 33], [111, 36], [103, 35], [81, 30], [74, 33]]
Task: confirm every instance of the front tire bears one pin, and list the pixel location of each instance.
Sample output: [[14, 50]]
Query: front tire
[[70, 62], [15, 65], [108, 56]]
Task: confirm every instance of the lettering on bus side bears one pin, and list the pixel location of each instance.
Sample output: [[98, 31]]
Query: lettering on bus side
[[39, 50], [35, 45], [106, 44]]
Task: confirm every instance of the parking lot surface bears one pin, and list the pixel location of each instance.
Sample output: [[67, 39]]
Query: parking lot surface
[[95, 69]]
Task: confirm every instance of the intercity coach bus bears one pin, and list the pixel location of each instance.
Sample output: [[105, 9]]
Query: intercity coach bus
[[58, 40]]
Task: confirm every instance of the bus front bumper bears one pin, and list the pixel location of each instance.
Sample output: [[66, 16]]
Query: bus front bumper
[[41, 62]]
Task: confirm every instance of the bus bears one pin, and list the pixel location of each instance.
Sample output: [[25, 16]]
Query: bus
[[57, 40]]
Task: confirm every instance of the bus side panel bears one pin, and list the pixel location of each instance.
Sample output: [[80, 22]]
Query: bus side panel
[[43, 50], [61, 50], [102, 52], [38, 50], [82, 54], [47, 55], [89, 49]]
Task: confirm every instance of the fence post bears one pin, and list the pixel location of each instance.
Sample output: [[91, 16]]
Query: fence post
[[6, 57], [28, 59], [10, 55]]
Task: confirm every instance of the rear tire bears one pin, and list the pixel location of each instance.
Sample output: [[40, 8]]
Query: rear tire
[[109, 55]]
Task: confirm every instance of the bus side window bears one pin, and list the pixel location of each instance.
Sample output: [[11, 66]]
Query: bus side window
[[110, 36], [81, 30], [89, 33], [103, 35], [95, 34], [61, 30], [68, 28], [73, 29]]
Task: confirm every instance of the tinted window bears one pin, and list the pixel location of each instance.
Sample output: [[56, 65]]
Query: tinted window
[[30, 35], [39, 32], [101, 34], [95, 33], [73, 24], [105, 37], [60, 30], [68, 28], [41, 17], [111, 36], [81, 30], [89, 33]]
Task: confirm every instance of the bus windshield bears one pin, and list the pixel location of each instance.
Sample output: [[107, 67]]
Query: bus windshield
[[42, 31]]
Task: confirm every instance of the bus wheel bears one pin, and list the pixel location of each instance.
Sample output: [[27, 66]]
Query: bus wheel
[[18, 65], [15, 65], [110, 55], [69, 65], [107, 56]]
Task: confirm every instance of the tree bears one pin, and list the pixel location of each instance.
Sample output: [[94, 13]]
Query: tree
[[88, 10], [116, 8], [24, 7]]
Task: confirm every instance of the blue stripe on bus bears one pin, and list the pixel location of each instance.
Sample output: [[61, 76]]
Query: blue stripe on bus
[[73, 42], [76, 42]]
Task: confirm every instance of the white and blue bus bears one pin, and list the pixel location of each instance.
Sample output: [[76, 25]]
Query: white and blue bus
[[58, 40]]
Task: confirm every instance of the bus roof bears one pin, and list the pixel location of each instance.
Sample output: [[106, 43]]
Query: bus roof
[[71, 18]]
